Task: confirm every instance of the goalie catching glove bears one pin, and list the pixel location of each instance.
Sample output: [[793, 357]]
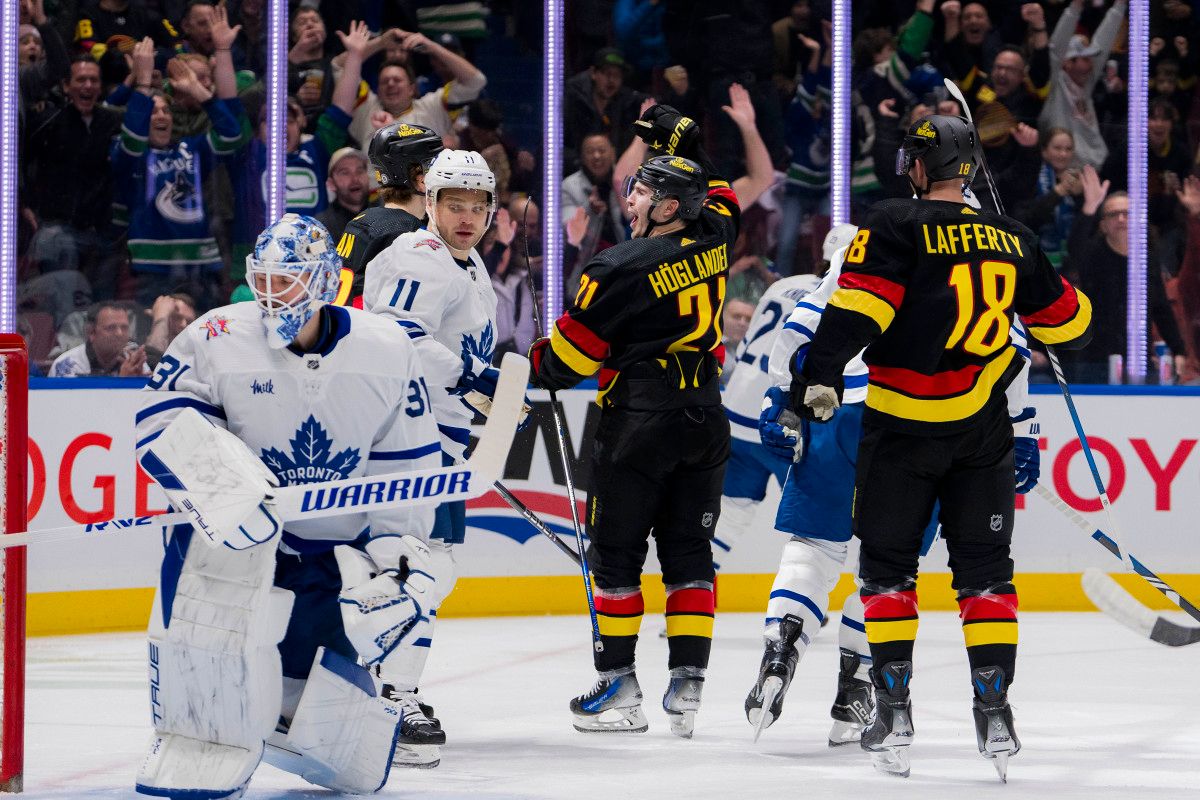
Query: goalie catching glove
[[386, 593], [209, 473]]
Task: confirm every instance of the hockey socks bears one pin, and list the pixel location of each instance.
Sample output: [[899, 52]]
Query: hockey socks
[[989, 621], [619, 614], [690, 609], [890, 615]]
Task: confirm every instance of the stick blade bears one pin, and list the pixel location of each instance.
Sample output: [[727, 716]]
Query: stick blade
[[1111, 598]]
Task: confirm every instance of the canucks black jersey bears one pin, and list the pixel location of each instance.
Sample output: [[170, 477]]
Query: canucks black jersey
[[932, 286], [647, 315], [365, 237]]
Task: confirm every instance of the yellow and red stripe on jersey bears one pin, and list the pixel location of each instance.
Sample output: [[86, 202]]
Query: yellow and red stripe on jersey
[[577, 346], [989, 619], [690, 612], [870, 295], [1064, 320], [942, 397], [619, 616]]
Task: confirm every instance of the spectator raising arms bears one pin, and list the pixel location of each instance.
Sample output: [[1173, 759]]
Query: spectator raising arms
[[160, 179], [398, 87]]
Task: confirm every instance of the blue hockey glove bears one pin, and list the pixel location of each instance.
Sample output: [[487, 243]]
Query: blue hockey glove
[[781, 431], [1027, 458]]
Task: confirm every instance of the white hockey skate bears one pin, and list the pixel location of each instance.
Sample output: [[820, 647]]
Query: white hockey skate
[[890, 733], [614, 705], [681, 701]]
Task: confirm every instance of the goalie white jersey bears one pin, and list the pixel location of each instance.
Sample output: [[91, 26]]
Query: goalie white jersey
[[743, 396], [449, 313], [358, 405]]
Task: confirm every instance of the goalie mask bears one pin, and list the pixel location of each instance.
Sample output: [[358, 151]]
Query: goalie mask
[[292, 272], [463, 170], [946, 146]]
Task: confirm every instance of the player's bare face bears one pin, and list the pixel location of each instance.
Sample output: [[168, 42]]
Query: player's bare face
[[462, 217], [638, 204]]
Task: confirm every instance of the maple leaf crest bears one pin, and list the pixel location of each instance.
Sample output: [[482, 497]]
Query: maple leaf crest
[[481, 348], [310, 460]]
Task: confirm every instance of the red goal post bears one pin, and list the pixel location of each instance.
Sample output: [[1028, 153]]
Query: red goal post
[[14, 433]]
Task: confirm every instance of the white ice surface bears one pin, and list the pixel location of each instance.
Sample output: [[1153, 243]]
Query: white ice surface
[[1101, 714]]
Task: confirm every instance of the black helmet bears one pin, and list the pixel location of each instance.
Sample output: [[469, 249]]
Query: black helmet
[[947, 146], [395, 148], [673, 176]]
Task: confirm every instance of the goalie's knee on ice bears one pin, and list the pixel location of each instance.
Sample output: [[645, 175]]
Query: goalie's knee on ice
[[343, 734]]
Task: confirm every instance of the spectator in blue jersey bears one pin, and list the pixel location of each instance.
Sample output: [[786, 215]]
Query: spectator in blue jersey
[[307, 156], [159, 183]]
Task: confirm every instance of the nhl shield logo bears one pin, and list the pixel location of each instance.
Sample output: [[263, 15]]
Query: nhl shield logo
[[997, 522], [707, 519]]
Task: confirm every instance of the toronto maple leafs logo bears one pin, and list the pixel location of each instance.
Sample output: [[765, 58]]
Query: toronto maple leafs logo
[[311, 460], [482, 347]]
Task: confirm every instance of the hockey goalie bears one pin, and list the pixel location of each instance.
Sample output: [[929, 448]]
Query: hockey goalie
[[260, 631]]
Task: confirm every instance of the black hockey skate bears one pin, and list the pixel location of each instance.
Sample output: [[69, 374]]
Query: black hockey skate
[[421, 735], [994, 731], [614, 705], [890, 732], [681, 701], [764, 704], [853, 705]]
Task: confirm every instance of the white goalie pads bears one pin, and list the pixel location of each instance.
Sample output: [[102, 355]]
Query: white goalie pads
[[343, 734], [209, 473], [387, 595], [215, 673]]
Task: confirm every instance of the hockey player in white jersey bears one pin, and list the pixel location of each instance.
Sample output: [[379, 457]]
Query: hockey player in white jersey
[[816, 510], [433, 283], [257, 628]]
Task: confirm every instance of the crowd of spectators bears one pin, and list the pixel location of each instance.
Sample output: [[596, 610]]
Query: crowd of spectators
[[144, 140]]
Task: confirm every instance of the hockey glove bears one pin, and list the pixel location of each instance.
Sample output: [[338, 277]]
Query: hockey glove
[[537, 354], [384, 595], [812, 401], [666, 131], [781, 431], [1027, 456]]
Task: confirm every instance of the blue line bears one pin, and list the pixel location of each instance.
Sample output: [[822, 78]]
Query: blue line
[[180, 402], [799, 598], [400, 455]]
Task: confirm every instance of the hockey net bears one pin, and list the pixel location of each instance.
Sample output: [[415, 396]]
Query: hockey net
[[14, 386]]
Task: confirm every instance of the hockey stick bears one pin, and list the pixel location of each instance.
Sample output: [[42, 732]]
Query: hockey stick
[[560, 430], [1110, 598], [1055, 365], [356, 495], [534, 520]]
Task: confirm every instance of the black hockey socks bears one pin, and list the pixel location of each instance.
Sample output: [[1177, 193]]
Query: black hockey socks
[[989, 620]]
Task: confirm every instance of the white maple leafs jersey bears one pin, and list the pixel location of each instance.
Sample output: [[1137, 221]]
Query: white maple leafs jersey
[[448, 311], [802, 324], [743, 396], [360, 405]]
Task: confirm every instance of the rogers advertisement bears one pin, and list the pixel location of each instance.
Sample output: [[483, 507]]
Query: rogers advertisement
[[82, 470]]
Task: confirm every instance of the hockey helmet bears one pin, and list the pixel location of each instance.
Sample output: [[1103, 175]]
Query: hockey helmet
[[294, 252], [459, 169], [947, 146], [396, 148], [673, 176]]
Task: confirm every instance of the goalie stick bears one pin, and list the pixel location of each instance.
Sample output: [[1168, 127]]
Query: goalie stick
[[1111, 598], [1055, 365], [307, 501]]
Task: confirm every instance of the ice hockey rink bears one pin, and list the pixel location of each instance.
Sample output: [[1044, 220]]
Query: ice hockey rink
[[1100, 712]]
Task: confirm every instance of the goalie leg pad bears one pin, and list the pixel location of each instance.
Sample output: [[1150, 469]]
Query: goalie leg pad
[[215, 676], [808, 571], [343, 734]]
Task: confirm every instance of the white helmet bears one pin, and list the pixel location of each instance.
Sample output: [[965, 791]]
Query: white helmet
[[295, 250], [459, 169]]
